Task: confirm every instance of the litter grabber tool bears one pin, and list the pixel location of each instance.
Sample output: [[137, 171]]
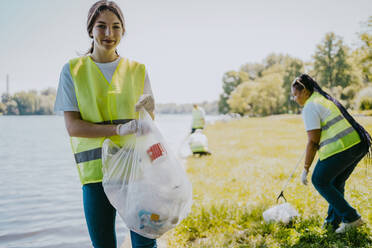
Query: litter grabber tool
[[285, 212], [281, 195]]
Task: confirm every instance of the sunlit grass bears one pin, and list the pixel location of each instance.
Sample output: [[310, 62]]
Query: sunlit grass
[[252, 159]]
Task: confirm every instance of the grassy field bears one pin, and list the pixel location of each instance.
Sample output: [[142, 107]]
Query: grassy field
[[252, 159]]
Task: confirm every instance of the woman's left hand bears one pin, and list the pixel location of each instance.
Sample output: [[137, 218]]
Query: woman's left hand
[[304, 177], [147, 102]]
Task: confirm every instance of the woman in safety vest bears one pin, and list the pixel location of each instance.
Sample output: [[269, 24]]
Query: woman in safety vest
[[341, 143], [198, 143], [99, 94], [198, 118]]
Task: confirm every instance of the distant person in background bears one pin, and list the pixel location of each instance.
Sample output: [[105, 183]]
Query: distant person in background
[[198, 143], [99, 94], [198, 118], [341, 143]]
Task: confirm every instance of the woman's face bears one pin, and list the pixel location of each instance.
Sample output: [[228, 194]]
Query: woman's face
[[107, 31], [300, 96]]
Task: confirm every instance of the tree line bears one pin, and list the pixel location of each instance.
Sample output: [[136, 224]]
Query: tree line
[[260, 89], [28, 102], [211, 108], [42, 103]]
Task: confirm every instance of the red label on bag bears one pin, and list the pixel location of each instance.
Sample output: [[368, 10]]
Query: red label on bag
[[156, 151]]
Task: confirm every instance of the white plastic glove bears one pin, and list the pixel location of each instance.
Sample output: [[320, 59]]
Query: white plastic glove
[[304, 177], [143, 128], [133, 126], [146, 101], [127, 128]]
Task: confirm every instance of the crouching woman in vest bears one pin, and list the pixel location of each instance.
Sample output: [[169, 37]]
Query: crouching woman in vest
[[341, 143], [99, 94], [198, 143]]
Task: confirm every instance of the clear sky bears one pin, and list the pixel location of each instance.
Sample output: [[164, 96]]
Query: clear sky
[[186, 45]]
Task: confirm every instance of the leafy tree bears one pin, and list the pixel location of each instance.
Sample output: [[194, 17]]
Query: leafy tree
[[46, 102], [363, 54], [12, 108], [261, 98], [331, 66], [45, 106], [364, 99], [27, 102], [274, 59], [278, 66], [2, 108], [240, 99], [231, 80], [293, 68], [366, 58], [223, 106], [286, 68], [5, 98], [254, 70]]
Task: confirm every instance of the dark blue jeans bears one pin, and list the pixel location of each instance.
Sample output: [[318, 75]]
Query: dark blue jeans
[[329, 179], [100, 217]]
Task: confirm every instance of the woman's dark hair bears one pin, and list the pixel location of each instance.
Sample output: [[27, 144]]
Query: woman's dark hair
[[305, 81], [96, 10]]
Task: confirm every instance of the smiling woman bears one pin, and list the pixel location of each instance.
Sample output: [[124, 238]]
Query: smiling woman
[[106, 27], [100, 94]]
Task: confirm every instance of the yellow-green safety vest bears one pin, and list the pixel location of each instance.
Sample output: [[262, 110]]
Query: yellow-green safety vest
[[337, 134], [197, 118], [101, 102]]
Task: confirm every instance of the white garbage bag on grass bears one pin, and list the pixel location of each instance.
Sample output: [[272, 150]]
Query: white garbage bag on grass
[[145, 182], [280, 213]]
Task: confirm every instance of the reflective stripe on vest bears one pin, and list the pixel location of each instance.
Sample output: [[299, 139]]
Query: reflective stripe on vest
[[333, 121], [336, 137], [96, 153], [337, 134], [104, 103], [197, 118], [88, 155]]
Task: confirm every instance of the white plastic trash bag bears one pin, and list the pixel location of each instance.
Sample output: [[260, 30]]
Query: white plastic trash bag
[[198, 139], [184, 149], [280, 213], [145, 182]]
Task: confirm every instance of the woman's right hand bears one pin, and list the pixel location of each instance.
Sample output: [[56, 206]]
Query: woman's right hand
[[127, 128], [133, 126]]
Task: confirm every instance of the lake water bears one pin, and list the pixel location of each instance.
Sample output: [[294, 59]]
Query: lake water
[[40, 193]]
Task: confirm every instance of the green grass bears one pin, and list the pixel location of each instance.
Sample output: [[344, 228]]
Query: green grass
[[252, 159]]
